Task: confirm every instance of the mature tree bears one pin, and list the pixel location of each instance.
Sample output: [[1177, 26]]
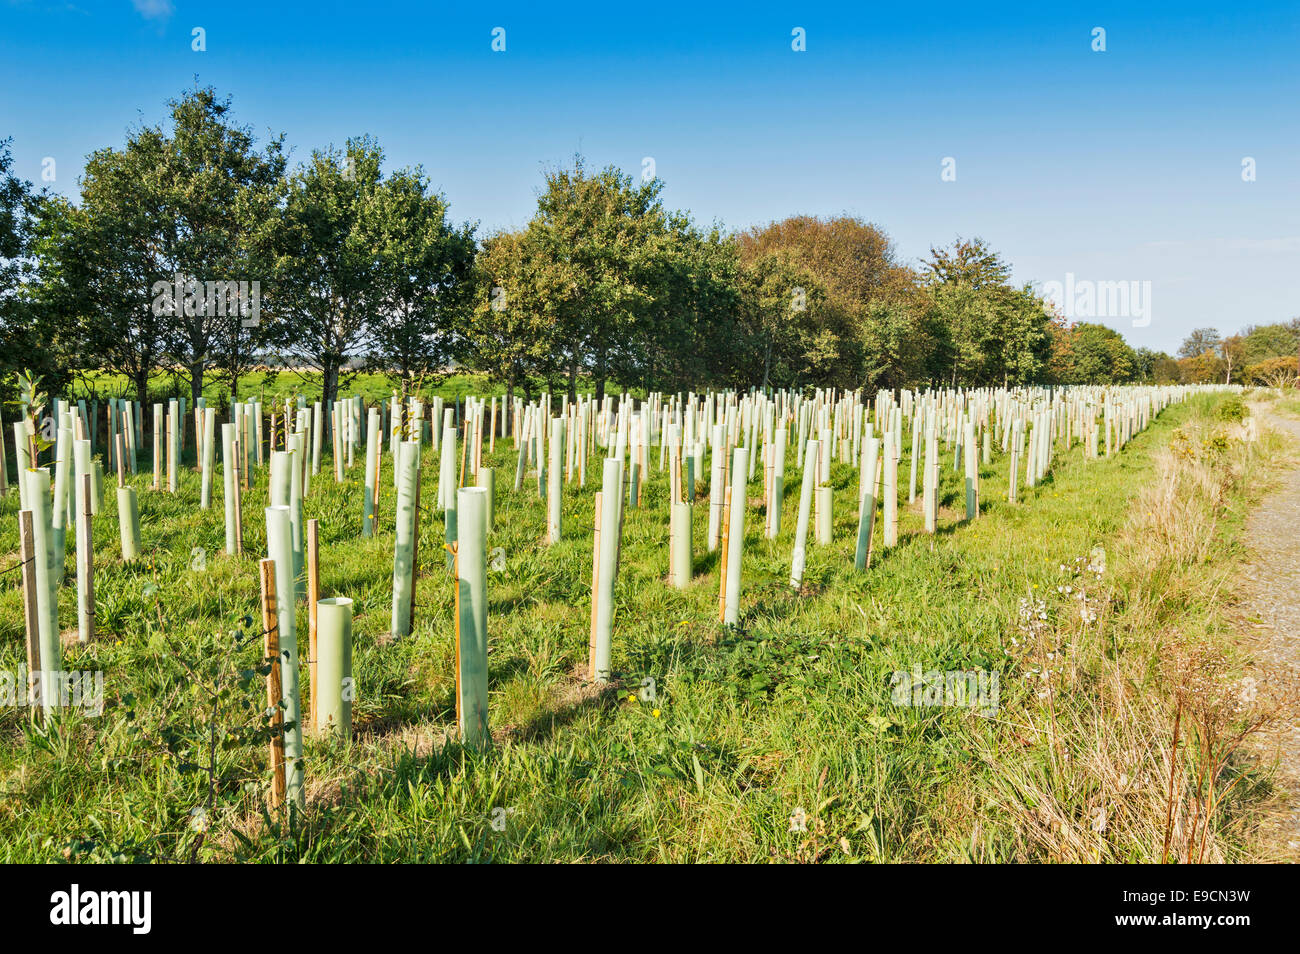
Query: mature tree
[[855, 263], [327, 277], [1282, 371], [1019, 347], [1204, 368], [16, 204], [425, 276], [32, 334], [220, 195], [1101, 356], [991, 332], [1261, 342], [166, 221], [1145, 364], [592, 245], [786, 335], [1232, 350], [685, 335], [511, 335], [1198, 342], [899, 340], [96, 277], [1060, 353], [968, 262], [1165, 370], [854, 260]]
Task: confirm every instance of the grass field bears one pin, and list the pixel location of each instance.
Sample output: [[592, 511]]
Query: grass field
[[775, 741]]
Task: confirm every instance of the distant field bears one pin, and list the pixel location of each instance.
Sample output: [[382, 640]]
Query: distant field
[[373, 387]]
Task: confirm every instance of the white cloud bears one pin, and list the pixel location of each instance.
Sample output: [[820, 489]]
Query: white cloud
[[153, 9]]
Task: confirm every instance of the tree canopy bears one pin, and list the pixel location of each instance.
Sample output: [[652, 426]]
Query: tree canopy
[[347, 265]]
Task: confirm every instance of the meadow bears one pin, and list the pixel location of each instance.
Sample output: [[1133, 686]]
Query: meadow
[[777, 739]]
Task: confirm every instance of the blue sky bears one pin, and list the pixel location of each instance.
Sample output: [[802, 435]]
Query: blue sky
[[1123, 165]]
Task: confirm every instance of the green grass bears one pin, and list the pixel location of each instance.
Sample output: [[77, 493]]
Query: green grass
[[789, 711]]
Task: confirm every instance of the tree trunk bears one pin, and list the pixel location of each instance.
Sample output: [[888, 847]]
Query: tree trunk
[[330, 388], [600, 375], [196, 382], [142, 387]]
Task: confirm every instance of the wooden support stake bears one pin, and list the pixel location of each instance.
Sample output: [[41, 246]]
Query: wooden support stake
[[270, 626], [30, 614]]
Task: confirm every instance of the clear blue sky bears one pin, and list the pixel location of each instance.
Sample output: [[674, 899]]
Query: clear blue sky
[[1123, 165]]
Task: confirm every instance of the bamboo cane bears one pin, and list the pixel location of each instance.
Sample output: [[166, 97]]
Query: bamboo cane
[[270, 627], [38, 494], [31, 604], [279, 545]]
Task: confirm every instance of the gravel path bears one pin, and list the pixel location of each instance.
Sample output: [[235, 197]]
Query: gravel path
[[1270, 619]]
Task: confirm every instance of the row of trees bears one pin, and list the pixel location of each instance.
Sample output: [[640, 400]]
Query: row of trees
[[1259, 354], [195, 250], [191, 248]]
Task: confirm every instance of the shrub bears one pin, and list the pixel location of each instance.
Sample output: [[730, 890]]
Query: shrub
[[1233, 410]]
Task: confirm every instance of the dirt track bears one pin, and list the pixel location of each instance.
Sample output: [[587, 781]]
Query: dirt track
[[1270, 619]]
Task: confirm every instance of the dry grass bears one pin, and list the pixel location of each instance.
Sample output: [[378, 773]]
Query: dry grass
[[1134, 753]]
